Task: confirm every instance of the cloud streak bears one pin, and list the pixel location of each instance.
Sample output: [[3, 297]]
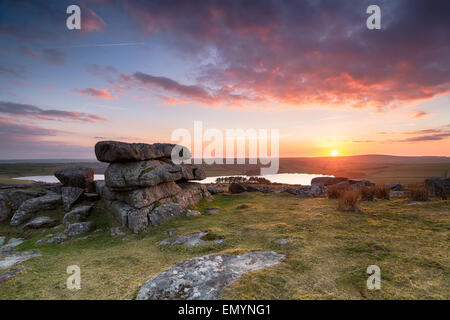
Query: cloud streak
[[31, 111]]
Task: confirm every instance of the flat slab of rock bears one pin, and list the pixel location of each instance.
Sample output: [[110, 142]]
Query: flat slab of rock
[[10, 201], [191, 240], [132, 175], [30, 207], [204, 278], [8, 275], [81, 177], [116, 151], [70, 196], [11, 258], [12, 243], [143, 197], [40, 222], [77, 215], [59, 238], [191, 213], [165, 211], [75, 229]]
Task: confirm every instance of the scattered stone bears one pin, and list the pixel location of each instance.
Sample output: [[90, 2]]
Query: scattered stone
[[80, 177], [204, 278], [11, 258], [171, 233], [236, 188], [75, 229], [40, 222], [214, 189], [192, 240], [76, 215], [165, 211], [190, 213], [116, 151], [116, 231], [317, 190], [8, 275], [212, 210], [30, 207], [91, 197], [283, 241], [2, 240], [59, 238], [11, 200], [70, 196]]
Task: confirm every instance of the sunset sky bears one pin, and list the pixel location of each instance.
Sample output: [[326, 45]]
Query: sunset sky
[[138, 70]]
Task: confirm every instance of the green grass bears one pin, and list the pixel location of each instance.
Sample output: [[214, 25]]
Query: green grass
[[326, 257]]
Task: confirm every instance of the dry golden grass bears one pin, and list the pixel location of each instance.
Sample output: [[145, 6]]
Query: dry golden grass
[[349, 201], [417, 192]]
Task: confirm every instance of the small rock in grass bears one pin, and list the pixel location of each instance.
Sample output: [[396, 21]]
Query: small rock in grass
[[59, 238], [116, 231], [190, 213], [40, 222], [78, 228]]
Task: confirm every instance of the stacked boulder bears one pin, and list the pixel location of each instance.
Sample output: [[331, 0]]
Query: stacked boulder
[[75, 182], [144, 186]]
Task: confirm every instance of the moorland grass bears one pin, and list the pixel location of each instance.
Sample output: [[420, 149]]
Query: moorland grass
[[326, 257]]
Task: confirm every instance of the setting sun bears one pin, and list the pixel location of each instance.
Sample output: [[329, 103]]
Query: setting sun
[[334, 153]]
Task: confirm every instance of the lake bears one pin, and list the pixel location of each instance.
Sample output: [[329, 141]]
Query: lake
[[286, 178]]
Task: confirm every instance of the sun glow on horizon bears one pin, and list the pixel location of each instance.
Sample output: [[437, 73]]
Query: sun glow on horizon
[[334, 153]]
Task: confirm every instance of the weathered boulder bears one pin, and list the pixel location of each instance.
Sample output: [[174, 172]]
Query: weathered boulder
[[191, 193], [165, 211], [30, 207], [12, 243], [40, 222], [78, 228], [358, 184], [326, 181], [70, 196], [214, 189], [204, 278], [143, 197], [80, 177], [11, 200], [135, 219], [77, 215], [317, 190], [438, 186], [236, 188], [116, 151], [132, 175]]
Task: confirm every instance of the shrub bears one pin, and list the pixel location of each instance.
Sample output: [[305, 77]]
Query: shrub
[[334, 192], [367, 193], [382, 192], [417, 192], [348, 201]]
